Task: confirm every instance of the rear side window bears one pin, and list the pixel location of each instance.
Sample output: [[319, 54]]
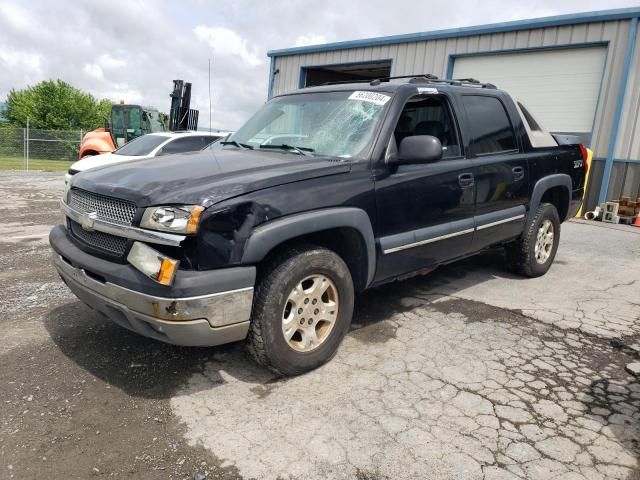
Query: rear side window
[[491, 130], [141, 146], [186, 144]]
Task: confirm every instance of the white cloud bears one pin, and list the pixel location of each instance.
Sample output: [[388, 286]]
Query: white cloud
[[311, 39], [133, 50], [20, 59], [224, 41], [93, 70], [107, 61], [128, 95], [15, 15]]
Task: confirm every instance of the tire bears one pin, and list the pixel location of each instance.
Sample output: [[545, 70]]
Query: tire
[[523, 256], [283, 292]]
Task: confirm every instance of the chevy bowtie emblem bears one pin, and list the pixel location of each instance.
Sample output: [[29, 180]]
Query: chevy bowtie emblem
[[87, 220]]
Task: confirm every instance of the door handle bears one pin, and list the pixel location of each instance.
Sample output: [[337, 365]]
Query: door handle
[[465, 180], [518, 173]]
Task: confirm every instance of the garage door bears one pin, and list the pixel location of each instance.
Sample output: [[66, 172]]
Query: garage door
[[559, 87]]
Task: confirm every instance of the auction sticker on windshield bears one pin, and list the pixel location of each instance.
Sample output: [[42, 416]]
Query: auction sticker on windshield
[[373, 97]]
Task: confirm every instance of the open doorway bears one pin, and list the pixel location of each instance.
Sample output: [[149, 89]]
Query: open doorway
[[345, 72]]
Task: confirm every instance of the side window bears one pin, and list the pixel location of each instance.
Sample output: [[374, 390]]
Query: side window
[[490, 128], [135, 122], [184, 144], [205, 141], [429, 116]]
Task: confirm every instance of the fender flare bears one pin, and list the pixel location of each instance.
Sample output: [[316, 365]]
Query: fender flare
[[544, 184], [269, 235]]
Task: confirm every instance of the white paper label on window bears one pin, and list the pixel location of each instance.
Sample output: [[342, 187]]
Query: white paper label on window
[[372, 97]]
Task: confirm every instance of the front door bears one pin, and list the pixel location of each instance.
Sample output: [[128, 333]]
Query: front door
[[425, 211]]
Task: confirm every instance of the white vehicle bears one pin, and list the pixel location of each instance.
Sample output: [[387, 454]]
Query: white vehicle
[[147, 146]]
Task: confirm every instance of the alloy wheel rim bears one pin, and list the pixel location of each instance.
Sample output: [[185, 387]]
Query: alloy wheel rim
[[544, 242], [310, 313]]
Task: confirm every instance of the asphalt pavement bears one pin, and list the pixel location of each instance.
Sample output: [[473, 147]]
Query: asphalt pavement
[[469, 372]]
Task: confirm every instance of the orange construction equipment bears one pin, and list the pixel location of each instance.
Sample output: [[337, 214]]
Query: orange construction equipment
[[96, 142], [636, 223], [132, 121], [126, 123]]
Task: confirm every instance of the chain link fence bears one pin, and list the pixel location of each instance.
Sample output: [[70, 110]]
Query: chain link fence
[[37, 149]]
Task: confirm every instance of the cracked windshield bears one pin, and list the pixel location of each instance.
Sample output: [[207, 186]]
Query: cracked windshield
[[339, 124]]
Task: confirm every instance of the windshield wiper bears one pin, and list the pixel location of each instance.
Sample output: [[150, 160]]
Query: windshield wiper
[[284, 146], [237, 144]]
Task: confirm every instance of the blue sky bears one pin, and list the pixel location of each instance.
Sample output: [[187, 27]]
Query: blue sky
[[132, 50]]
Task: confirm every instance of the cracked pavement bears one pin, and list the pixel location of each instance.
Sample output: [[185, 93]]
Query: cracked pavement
[[432, 394], [469, 372], [466, 373]]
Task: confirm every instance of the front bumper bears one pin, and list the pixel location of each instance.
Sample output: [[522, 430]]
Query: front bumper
[[221, 315]]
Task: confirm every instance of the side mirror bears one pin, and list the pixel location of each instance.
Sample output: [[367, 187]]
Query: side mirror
[[419, 149]]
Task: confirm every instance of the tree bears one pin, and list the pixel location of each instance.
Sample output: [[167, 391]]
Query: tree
[[55, 105]]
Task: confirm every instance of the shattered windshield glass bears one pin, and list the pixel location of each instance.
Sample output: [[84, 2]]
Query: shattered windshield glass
[[339, 124]]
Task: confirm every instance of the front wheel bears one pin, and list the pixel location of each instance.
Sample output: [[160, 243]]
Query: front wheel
[[533, 253], [301, 311]]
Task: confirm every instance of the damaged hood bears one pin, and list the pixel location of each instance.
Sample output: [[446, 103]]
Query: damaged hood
[[205, 177]]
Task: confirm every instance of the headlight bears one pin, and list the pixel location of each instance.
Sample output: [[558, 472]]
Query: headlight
[[180, 219]]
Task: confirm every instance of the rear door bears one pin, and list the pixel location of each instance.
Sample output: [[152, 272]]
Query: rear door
[[499, 169]]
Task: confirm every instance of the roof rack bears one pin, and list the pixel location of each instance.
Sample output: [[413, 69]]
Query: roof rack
[[341, 82], [377, 81], [474, 82], [421, 78], [424, 77], [468, 82]]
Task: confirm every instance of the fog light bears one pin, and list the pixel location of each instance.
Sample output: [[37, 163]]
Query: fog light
[[152, 263]]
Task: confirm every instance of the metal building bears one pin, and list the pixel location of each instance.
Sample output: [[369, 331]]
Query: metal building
[[577, 73]]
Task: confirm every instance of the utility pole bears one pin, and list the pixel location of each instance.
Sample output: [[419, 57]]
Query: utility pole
[[210, 95], [27, 144]]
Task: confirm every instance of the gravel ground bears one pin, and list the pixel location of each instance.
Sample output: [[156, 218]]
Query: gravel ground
[[466, 373]]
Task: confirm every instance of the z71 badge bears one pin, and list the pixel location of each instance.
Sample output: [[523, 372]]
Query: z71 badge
[[578, 163]]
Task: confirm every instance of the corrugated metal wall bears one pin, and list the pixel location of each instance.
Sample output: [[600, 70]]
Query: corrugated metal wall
[[625, 177], [432, 56], [629, 144]]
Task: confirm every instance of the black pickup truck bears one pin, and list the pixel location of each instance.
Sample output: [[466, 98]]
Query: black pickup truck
[[324, 192]]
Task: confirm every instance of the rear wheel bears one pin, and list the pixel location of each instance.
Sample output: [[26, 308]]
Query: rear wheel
[[533, 253], [302, 310]]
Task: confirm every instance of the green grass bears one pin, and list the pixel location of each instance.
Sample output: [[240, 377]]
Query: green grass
[[17, 163]]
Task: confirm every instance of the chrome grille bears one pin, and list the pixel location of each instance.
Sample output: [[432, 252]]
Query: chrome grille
[[107, 208], [103, 241]]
